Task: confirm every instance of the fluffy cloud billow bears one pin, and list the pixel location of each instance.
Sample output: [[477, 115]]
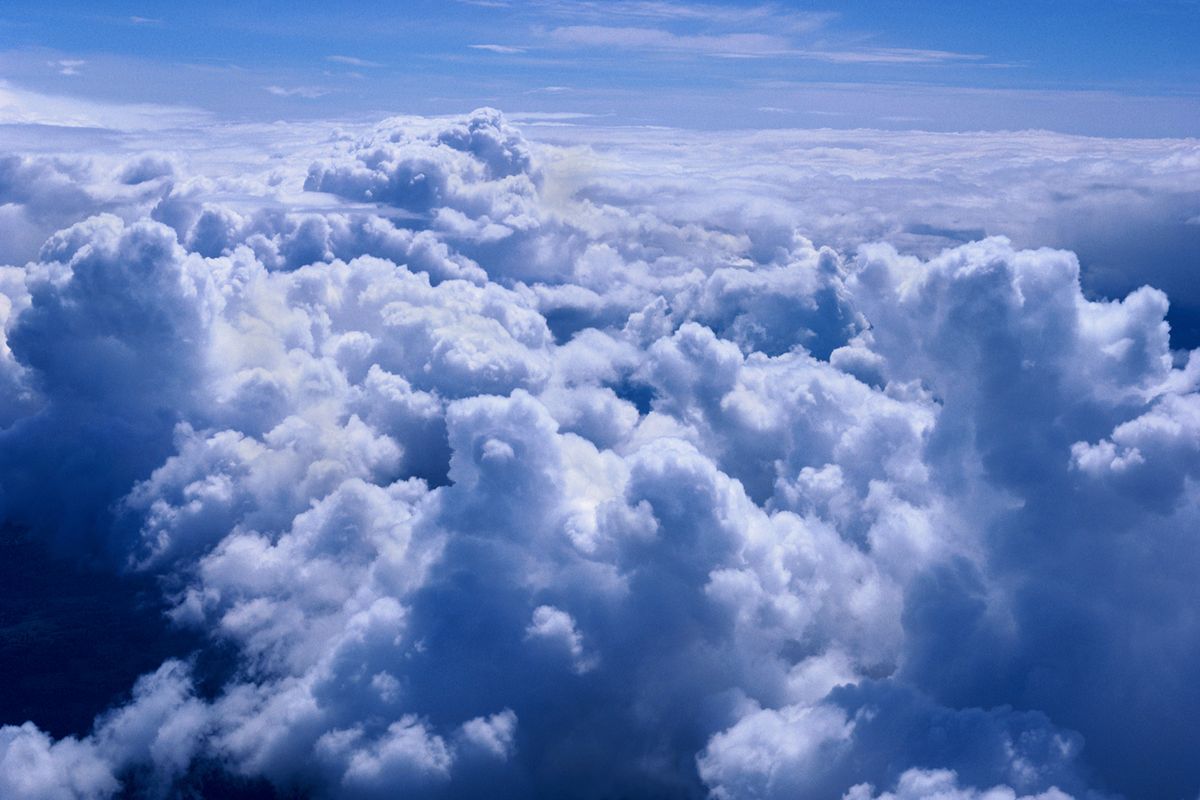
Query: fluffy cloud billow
[[475, 463]]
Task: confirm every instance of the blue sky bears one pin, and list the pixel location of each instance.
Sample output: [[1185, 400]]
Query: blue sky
[[1113, 67]]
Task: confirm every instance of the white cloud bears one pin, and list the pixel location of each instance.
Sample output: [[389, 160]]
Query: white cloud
[[888, 55], [704, 13], [33, 767], [24, 107], [307, 92], [728, 44], [352, 61], [499, 466], [68, 66], [917, 784], [498, 48], [556, 626]]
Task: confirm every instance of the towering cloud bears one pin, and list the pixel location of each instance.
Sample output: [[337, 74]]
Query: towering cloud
[[474, 472]]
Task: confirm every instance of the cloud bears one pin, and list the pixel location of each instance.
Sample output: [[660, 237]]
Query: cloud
[[745, 32], [917, 784], [887, 55], [557, 628], [498, 48], [33, 766], [24, 107], [306, 92], [156, 732], [727, 44], [353, 61], [68, 66], [695, 13], [626, 463], [867, 185]]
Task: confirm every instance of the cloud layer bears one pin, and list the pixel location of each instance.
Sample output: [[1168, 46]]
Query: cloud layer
[[491, 470]]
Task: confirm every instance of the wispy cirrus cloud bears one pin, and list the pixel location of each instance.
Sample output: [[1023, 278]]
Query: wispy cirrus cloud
[[306, 92], [67, 66], [24, 107], [352, 61], [743, 45], [639, 38], [887, 55], [764, 30], [498, 48]]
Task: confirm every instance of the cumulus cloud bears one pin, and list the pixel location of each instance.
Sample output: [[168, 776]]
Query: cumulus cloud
[[917, 784], [1123, 207], [480, 465]]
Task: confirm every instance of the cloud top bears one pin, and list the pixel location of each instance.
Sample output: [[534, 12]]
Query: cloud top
[[487, 469]]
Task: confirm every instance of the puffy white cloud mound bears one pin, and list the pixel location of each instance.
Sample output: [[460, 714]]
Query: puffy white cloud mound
[[476, 477], [916, 784]]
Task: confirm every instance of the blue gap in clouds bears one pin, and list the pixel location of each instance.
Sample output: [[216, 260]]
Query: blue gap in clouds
[[73, 638], [1165, 256]]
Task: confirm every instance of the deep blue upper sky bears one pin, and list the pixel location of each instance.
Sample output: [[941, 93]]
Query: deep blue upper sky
[[1106, 67]]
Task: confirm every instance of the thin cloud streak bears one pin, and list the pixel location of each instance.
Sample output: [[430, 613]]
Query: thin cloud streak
[[353, 61], [306, 92], [700, 13], [755, 44], [744, 45], [497, 48]]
